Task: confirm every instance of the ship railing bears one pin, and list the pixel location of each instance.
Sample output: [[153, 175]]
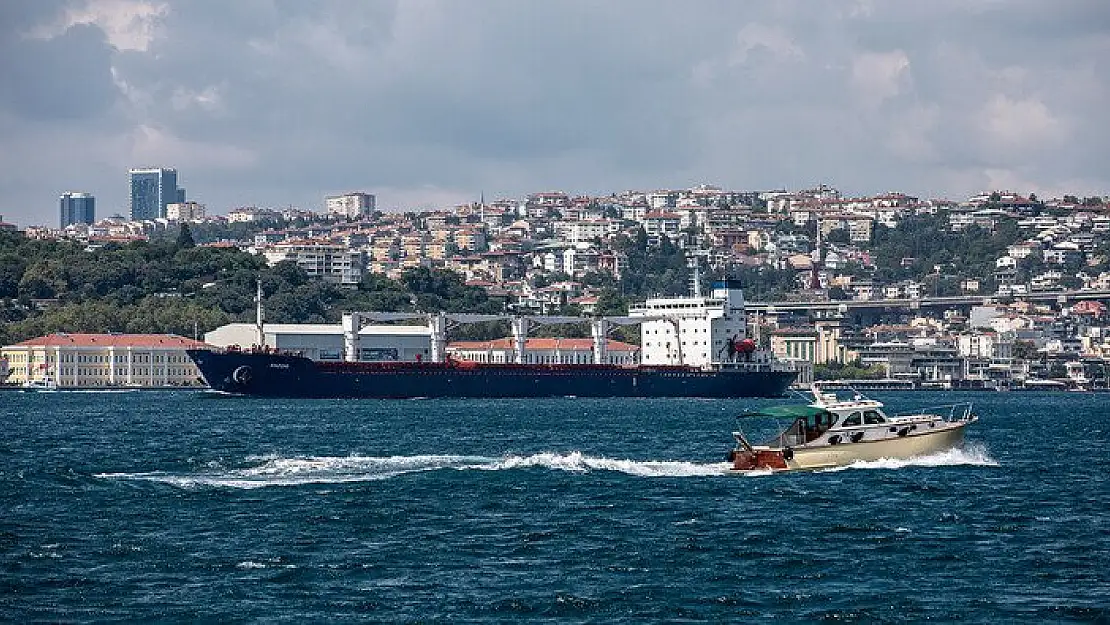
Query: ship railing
[[752, 366], [952, 413]]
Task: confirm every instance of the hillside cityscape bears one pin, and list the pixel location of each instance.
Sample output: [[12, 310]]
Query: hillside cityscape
[[997, 290]]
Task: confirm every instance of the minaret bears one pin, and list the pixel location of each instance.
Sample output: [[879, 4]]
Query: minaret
[[815, 258]]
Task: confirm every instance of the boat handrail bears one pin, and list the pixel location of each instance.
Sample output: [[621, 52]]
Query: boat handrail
[[959, 411]]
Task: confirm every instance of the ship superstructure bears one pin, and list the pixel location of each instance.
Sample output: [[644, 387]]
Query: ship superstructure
[[698, 331]]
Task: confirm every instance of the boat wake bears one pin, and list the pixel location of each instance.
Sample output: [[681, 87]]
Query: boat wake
[[272, 470], [296, 471], [968, 455]]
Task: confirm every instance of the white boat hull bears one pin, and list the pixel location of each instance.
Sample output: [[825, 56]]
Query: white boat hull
[[913, 445]]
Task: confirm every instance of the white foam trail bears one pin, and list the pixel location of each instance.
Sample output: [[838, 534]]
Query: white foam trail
[[968, 455], [576, 462], [296, 471], [299, 470]]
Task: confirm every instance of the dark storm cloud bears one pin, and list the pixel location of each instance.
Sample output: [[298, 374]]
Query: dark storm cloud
[[279, 102], [67, 77]]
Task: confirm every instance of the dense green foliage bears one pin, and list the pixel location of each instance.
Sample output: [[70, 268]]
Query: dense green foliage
[[922, 243], [847, 371], [61, 286], [653, 269]]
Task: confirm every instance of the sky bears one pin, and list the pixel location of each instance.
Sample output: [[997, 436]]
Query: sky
[[431, 103]]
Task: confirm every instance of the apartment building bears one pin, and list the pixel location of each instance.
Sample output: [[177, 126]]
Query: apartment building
[[330, 262]]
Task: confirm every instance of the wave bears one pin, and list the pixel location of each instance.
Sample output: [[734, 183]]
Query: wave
[[967, 455], [295, 471]]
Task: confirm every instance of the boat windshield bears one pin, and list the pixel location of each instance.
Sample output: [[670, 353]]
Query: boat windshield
[[872, 417]]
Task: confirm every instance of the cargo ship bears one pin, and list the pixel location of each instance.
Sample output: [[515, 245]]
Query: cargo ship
[[694, 346]]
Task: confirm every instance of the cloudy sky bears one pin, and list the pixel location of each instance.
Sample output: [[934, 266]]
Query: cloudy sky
[[426, 102]]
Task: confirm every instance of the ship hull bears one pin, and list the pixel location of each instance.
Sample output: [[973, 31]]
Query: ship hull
[[277, 375]]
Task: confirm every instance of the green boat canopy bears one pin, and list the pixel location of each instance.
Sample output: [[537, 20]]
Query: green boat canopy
[[792, 411]]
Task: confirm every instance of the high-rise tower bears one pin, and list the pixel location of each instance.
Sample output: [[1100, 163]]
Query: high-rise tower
[[151, 190], [76, 208]]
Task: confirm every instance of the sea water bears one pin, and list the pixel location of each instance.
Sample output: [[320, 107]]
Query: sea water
[[170, 507]]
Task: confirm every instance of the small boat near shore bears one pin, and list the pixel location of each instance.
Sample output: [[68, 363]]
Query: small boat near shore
[[45, 384], [832, 432]]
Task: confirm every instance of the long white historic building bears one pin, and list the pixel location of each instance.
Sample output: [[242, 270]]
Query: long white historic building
[[104, 360]]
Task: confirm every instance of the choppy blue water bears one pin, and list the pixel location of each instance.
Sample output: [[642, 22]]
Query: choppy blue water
[[189, 507]]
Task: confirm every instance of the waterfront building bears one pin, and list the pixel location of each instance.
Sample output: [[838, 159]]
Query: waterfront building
[[350, 205], [152, 190], [104, 360], [76, 208]]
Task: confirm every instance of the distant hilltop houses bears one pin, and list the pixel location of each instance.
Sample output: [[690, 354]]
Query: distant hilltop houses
[[551, 252], [823, 235]]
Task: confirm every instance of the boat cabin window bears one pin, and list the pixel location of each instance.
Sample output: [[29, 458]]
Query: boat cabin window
[[872, 417], [818, 424], [853, 419]]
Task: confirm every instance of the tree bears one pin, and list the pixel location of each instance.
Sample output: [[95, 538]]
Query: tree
[[1025, 350], [185, 237], [1057, 371], [839, 235], [611, 303]]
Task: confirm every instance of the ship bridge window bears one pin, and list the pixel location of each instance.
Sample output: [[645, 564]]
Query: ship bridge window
[[853, 419], [872, 417]]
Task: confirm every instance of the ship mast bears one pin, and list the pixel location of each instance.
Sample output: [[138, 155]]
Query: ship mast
[[258, 314]]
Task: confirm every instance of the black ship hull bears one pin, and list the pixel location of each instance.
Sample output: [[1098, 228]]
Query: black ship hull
[[281, 375]]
